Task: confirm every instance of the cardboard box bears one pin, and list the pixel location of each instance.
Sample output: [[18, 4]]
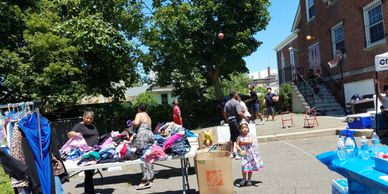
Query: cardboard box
[[214, 172]]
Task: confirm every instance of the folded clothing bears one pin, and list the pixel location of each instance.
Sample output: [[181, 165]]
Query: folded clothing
[[153, 154]]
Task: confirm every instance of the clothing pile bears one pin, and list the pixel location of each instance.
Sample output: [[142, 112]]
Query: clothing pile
[[29, 153], [170, 139]]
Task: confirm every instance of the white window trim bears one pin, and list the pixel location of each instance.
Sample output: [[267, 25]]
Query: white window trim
[[333, 40], [366, 8], [292, 57], [282, 60], [307, 11]]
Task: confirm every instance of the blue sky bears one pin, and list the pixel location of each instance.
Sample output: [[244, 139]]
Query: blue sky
[[282, 15]]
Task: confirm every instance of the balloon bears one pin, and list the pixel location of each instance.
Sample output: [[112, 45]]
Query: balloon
[[220, 35]]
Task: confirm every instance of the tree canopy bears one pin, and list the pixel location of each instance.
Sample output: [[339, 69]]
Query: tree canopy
[[61, 50], [184, 45]]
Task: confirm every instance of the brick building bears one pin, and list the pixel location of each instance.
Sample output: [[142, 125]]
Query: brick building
[[321, 28]]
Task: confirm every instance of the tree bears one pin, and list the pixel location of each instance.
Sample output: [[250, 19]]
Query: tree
[[66, 49], [147, 98], [182, 39], [238, 82]]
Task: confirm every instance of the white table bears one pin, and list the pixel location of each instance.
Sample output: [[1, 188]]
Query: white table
[[182, 158]]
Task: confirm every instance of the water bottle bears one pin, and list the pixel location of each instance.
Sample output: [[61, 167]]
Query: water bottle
[[341, 149], [364, 152], [375, 142], [349, 147]]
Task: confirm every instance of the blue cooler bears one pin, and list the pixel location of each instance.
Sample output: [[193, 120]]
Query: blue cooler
[[359, 121], [340, 186]]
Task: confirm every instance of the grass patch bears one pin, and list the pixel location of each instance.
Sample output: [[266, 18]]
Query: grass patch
[[5, 183]]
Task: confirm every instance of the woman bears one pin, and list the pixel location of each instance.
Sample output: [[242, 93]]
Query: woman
[[141, 140], [176, 113], [90, 134]]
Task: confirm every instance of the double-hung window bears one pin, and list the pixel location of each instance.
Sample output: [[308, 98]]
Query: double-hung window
[[374, 23], [338, 38], [310, 9]]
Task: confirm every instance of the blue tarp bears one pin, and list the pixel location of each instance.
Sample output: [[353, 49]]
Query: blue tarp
[[361, 175]]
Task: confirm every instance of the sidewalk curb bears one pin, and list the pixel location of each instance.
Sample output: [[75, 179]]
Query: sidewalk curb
[[311, 133], [297, 135]]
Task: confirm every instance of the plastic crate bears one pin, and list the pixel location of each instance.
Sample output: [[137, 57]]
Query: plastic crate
[[339, 186], [359, 121], [381, 164]]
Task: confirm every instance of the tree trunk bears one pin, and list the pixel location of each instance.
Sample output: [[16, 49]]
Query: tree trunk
[[216, 82]]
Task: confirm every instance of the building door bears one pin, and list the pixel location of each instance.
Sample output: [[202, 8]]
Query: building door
[[314, 57]]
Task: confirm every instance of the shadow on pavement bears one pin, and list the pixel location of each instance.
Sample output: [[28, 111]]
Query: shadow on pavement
[[191, 191], [134, 179], [236, 183], [105, 191]]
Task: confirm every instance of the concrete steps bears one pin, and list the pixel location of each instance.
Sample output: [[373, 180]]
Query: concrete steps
[[324, 101]]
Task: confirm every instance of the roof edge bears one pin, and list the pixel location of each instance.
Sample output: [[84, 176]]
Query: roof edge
[[287, 40]]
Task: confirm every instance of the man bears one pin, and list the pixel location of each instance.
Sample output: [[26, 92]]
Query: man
[[255, 106], [384, 101], [270, 103], [234, 113]]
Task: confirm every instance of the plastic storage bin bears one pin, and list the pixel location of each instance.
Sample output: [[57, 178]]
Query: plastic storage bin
[[339, 186], [381, 164], [359, 121]]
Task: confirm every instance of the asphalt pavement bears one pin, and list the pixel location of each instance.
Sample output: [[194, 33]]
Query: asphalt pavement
[[290, 167]]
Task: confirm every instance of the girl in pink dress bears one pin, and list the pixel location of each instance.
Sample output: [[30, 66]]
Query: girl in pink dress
[[251, 160]]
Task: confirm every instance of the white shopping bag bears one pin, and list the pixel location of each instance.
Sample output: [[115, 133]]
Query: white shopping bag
[[252, 132], [223, 134]]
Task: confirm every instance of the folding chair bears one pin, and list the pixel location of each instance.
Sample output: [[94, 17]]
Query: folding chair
[[310, 118], [287, 116]]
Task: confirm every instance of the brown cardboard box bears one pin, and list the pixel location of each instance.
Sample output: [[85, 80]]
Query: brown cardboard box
[[214, 172]]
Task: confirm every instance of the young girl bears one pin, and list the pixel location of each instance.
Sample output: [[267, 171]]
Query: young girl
[[250, 159]]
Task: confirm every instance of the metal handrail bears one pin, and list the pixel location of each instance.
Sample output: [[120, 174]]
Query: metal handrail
[[303, 85], [307, 85]]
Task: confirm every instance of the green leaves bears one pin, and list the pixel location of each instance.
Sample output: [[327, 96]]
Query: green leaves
[[69, 49], [182, 38]]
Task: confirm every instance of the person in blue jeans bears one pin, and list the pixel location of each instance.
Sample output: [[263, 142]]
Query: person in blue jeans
[[270, 104], [255, 105]]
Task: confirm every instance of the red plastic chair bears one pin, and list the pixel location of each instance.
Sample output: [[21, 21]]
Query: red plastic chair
[[287, 117], [310, 118]]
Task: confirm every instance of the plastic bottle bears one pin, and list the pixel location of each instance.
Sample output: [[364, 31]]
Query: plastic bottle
[[375, 142], [349, 147], [341, 149], [364, 152]]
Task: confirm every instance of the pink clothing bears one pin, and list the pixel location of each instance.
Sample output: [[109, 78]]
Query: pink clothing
[[76, 142], [153, 154], [170, 141], [175, 116], [107, 143]]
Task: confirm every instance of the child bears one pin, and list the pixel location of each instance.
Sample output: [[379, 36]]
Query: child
[[250, 158]]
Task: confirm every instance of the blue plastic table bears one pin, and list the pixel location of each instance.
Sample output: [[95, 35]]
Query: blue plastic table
[[361, 175]]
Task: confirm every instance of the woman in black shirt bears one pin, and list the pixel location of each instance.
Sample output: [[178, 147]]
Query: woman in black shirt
[[90, 134]]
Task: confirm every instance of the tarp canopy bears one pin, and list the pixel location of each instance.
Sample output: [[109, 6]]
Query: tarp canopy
[[381, 62]]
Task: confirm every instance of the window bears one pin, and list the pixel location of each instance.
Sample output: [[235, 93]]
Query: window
[[338, 38], [374, 25], [283, 63], [164, 99], [310, 9]]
